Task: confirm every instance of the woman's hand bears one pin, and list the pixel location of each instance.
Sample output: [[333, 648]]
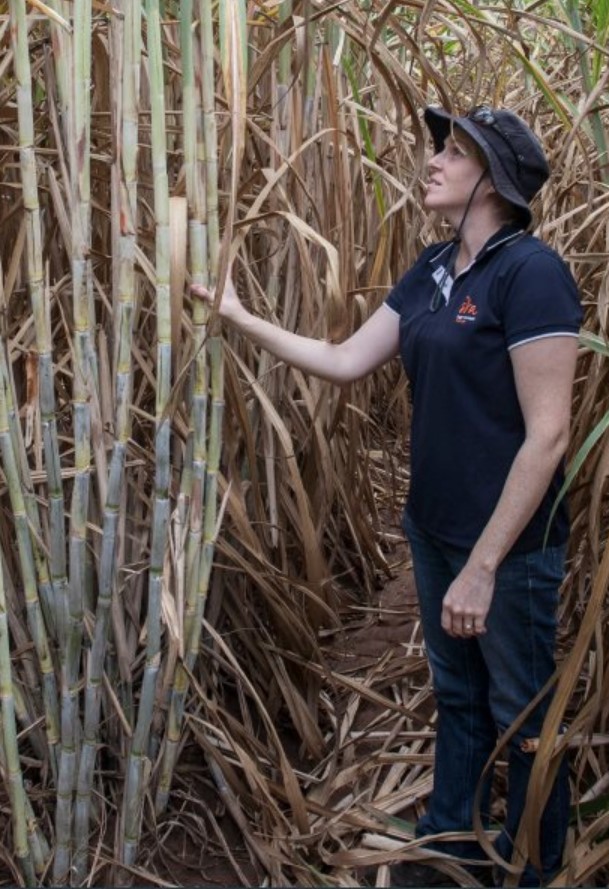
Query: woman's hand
[[467, 602], [230, 306]]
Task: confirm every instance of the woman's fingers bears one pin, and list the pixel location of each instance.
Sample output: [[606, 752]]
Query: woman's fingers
[[229, 305], [201, 291]]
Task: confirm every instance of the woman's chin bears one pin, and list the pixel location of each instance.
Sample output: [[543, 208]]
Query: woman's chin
[[432, 206], [431, 200]]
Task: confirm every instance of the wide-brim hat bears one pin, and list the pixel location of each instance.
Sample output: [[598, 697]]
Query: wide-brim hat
[[516, 160]]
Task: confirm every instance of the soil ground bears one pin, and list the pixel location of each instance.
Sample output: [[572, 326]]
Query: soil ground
[[367, 638]]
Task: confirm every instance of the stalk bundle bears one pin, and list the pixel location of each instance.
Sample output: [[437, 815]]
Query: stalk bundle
[[189, 528]]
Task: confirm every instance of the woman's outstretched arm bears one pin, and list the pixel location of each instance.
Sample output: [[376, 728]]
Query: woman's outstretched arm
[[374, 343]]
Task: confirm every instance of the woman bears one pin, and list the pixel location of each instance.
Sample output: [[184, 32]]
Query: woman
[[486, 326]]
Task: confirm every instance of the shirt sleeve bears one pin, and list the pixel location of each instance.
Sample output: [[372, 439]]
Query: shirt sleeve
[[542, 300], [396, 297]]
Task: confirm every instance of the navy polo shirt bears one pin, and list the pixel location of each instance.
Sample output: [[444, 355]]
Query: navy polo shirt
[[467, 425]]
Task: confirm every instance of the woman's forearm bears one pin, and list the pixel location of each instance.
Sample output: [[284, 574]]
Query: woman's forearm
[[525, 486], [374, 343], [544, 373], [318, 357]]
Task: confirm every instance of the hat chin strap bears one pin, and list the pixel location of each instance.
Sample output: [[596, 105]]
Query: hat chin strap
[[452, 259], [457, 236]]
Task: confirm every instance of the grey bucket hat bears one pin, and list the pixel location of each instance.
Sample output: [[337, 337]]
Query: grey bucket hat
[[517, 163]]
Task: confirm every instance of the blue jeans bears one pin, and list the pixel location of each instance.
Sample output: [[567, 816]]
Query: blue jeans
[[482, 685]]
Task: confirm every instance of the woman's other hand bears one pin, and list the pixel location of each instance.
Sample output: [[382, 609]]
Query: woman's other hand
[[467, 602]]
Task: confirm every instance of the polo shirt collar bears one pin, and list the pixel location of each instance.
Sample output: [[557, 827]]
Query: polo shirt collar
[[503, 235], [443, 261]]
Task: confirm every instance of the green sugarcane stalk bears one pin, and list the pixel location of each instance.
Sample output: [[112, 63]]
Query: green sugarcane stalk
[[573, 12], [312, 62], [49, 594], [193, 474], [38, 844], [127, 211], [11, 751], [205, 467], [285, 53], [126, 40], [62, 54], [138, 764], [93, 691], [190, 501], [216, 357], [27, 710], [281, 149], [84, 371], [52, 601], [28, 573], [39, 847], [190, 496], [45, 590], [215, 354], [10, 443]]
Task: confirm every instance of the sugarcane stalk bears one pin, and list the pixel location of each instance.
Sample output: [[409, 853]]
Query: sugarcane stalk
[[52, 601], [272, 382], [138, 765], [31, 679], [281, 116], [204, 255], [234, 61], [125, 59], [11, 752], [211, 484], [8, 438], [28, 574], [62, 47], [38, 844], [49, 593], [131, 55], [93, 690], [206, 455], [83, 380], [192, 480], [312, 63], [598, 129], [190, 500]]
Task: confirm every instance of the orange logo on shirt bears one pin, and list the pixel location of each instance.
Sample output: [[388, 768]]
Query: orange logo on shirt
[[467, 311]]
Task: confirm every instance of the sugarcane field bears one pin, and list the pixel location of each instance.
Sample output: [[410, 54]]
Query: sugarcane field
[[212, 664]]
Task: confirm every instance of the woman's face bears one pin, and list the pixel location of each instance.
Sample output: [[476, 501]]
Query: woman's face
[[452, 175]]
